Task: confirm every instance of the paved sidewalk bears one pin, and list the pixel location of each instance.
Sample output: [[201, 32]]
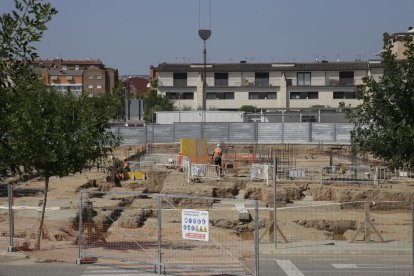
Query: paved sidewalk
[[336, 247]]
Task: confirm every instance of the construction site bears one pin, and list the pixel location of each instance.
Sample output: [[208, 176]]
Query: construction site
[[268, 199]]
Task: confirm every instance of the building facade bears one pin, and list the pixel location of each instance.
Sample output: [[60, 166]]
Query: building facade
[[398, 47], [267, 86], [90, 77]]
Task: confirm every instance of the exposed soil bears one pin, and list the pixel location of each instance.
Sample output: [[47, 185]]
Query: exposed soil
[[108, 216]]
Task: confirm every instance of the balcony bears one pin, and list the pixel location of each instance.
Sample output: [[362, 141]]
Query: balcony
[[340, 82], [261, 82], [221, 82], [180, 82]]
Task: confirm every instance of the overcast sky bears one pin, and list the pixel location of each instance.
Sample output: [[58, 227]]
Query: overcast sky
[[131, 35]]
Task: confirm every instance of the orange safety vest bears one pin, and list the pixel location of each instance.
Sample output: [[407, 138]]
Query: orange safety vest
[[218, 152]]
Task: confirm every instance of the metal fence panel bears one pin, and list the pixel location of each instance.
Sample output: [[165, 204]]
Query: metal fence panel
[[130, 135], [323, 132], [242, 133], [57, 234], [186, 130], [269, 133], [222, 254], [343, 132], [4, 217], [363, 228], [296, 133], [265, 133], [112, 227], [216, 132]]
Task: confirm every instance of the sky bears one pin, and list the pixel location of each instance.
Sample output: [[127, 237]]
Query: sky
[[132, 35]]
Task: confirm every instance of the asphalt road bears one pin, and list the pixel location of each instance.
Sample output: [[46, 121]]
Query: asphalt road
[[269, 265], [335, 265]]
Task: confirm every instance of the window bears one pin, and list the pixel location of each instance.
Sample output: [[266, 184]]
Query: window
[[220, 96], [180, 79], [262, 95], [346, 78], [64, 67], [221, 79], [69, 77], [76, 67], [261, 79], [304, 79], [90, 86], [98, 76], [99, 86], [308, 118], [289, 82], [53, 77], [344, 95], [90, 77], [180, 96], [303, 95]]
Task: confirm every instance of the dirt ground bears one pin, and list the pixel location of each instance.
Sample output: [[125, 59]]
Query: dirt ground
[[307, 209]]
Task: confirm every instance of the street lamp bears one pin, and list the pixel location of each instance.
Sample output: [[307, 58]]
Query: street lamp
[[204, 35]]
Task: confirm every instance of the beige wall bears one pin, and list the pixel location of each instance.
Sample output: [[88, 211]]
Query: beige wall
[[320, 82]]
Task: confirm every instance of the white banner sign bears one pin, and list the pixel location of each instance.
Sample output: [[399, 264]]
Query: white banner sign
[[194, 225]]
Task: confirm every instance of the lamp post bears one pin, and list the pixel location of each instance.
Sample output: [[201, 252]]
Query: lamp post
[[204, 35]]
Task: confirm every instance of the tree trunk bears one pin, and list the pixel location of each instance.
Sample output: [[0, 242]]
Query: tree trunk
[[42, 217]]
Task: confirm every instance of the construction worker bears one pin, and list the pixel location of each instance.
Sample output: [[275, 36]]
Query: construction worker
[[218, 153]]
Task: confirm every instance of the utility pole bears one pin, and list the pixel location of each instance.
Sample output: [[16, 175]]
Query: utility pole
[[204, 35]]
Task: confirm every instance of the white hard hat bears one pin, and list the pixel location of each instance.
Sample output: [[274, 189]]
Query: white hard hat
[[218, 145]]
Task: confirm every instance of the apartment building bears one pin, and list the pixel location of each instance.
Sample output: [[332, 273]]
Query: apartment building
[[79, 76], [268, 86], [398, 47]]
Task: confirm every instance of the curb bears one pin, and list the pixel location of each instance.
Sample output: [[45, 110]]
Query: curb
[[14, 254]]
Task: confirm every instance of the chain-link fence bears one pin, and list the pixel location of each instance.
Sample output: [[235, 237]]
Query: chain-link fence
[[173, 234], [351, 228], [22, 224], [222, 238]]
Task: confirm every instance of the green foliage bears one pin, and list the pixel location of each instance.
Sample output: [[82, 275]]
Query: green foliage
[[384, 122], [118, 101], [248, 108], [18, 30], [155, 102]]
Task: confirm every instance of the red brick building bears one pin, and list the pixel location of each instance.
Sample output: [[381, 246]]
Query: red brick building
[[80, 76]]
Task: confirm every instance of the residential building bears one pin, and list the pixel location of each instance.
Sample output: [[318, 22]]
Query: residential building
[[398, 48], [80, 76], [267, 86], [136, 85]]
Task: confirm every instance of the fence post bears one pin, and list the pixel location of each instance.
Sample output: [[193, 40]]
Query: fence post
[[412, 237], [80, 237], [256, 236], [274, 201], [10, 248], [159, 234], [367, 223]]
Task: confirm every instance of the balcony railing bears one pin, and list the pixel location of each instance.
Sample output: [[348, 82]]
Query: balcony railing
[[340, 82], [180, 82], [261, 82], [222, 82]]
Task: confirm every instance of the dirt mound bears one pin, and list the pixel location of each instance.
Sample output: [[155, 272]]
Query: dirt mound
[[155, 181], [340, 194], [333, 229], [133, 218]]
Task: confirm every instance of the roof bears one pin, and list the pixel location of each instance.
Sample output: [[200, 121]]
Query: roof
[[70, 62], [266, 67]]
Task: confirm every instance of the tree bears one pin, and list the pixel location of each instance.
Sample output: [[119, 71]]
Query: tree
[[42, 130], [248, 108], [384, 122], [155, 102], [59, 135], [18, 30]]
